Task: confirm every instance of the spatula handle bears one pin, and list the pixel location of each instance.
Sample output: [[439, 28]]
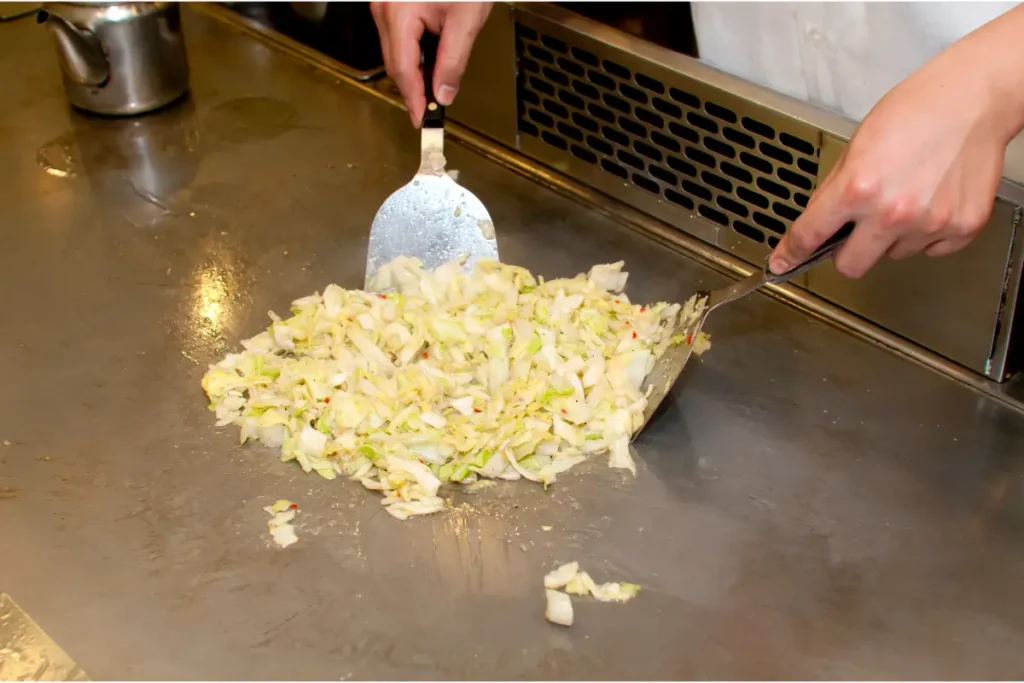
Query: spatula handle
[[433, 115], [825, 251]]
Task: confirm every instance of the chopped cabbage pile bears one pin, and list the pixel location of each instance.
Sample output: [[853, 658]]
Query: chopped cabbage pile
[[450, 377]]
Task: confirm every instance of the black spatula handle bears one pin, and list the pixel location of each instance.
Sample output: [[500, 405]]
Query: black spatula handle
[[433, 115], [825, 251]]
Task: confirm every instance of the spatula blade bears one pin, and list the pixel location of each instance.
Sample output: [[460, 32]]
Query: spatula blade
[[669, 367], [435, 220]]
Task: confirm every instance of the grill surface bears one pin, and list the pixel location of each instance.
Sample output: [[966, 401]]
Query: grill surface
[[697, 153]]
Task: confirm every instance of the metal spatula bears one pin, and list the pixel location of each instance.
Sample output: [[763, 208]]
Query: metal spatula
[[668, 368], [432, 218]]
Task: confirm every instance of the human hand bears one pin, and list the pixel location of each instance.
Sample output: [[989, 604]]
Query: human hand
[[401, 25], [922, 170]]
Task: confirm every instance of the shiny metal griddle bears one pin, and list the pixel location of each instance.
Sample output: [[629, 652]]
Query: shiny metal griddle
[[774, 535]]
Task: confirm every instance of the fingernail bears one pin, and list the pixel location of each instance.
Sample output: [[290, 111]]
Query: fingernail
[[445, 95], [778, 265]]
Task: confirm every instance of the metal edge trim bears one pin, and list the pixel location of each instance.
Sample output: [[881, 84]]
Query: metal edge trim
[[1010, 188], [284, 42], [1006, 315], [646, 225]]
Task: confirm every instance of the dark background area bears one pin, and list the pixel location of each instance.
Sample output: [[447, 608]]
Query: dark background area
[[347, 32]]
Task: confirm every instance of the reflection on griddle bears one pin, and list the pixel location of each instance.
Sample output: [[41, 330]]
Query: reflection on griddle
[[27, 653]]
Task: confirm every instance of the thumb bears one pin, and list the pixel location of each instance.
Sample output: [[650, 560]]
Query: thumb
[[460, 29], [825, 214]]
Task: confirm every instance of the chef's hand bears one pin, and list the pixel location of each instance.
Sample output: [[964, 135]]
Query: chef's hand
[[922, 170], [401, 25]]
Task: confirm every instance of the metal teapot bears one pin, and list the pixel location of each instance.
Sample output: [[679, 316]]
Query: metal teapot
[[119, 58]]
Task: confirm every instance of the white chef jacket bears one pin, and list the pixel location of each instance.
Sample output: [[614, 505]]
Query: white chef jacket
[[840, 55]]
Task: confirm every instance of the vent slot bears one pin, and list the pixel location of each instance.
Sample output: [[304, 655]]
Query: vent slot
[[787, 212], [587, 58], [646, 183], [584, 122], [667, 107], [570, 99], [619, 138], [582, 153], [614, 168], [748, 231], [555, 44], [632, 127], [683, 132], [738, 137], [684, 97], [570, 131], [571, 67], [682, 166], [555, 76], [598, 78], [588, 90], [732, 206], [665, 141], [713, 214], [680, 199], [654, 133], [600, 145], [554, 140], [541, 54], [649, 83], [601, 113], [649, 118], [555, 108], [719, 147], [632, 93]]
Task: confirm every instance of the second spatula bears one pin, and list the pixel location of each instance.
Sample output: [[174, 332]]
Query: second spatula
[[668, 368]]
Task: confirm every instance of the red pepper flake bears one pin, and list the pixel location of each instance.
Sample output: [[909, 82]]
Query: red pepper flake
[[616, 301], [381, 296], [634, 335], [689, 338], [293, 506], [563, 411], [327, 400], [426, 355], [643, 309], [477, 410], [350, 319]]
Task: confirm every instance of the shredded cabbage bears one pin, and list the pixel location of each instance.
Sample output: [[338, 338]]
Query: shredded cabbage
[[572, 581], [450, 378], [282, 513], [559, 608], [561, 576]]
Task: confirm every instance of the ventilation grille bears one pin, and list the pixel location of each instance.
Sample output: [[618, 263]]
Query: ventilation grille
[[729, 168]]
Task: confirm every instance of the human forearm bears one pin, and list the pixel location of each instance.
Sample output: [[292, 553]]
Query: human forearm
[[922, 169], [989, 64]]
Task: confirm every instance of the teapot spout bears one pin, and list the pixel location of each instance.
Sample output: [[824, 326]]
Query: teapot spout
[[81, 57]]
